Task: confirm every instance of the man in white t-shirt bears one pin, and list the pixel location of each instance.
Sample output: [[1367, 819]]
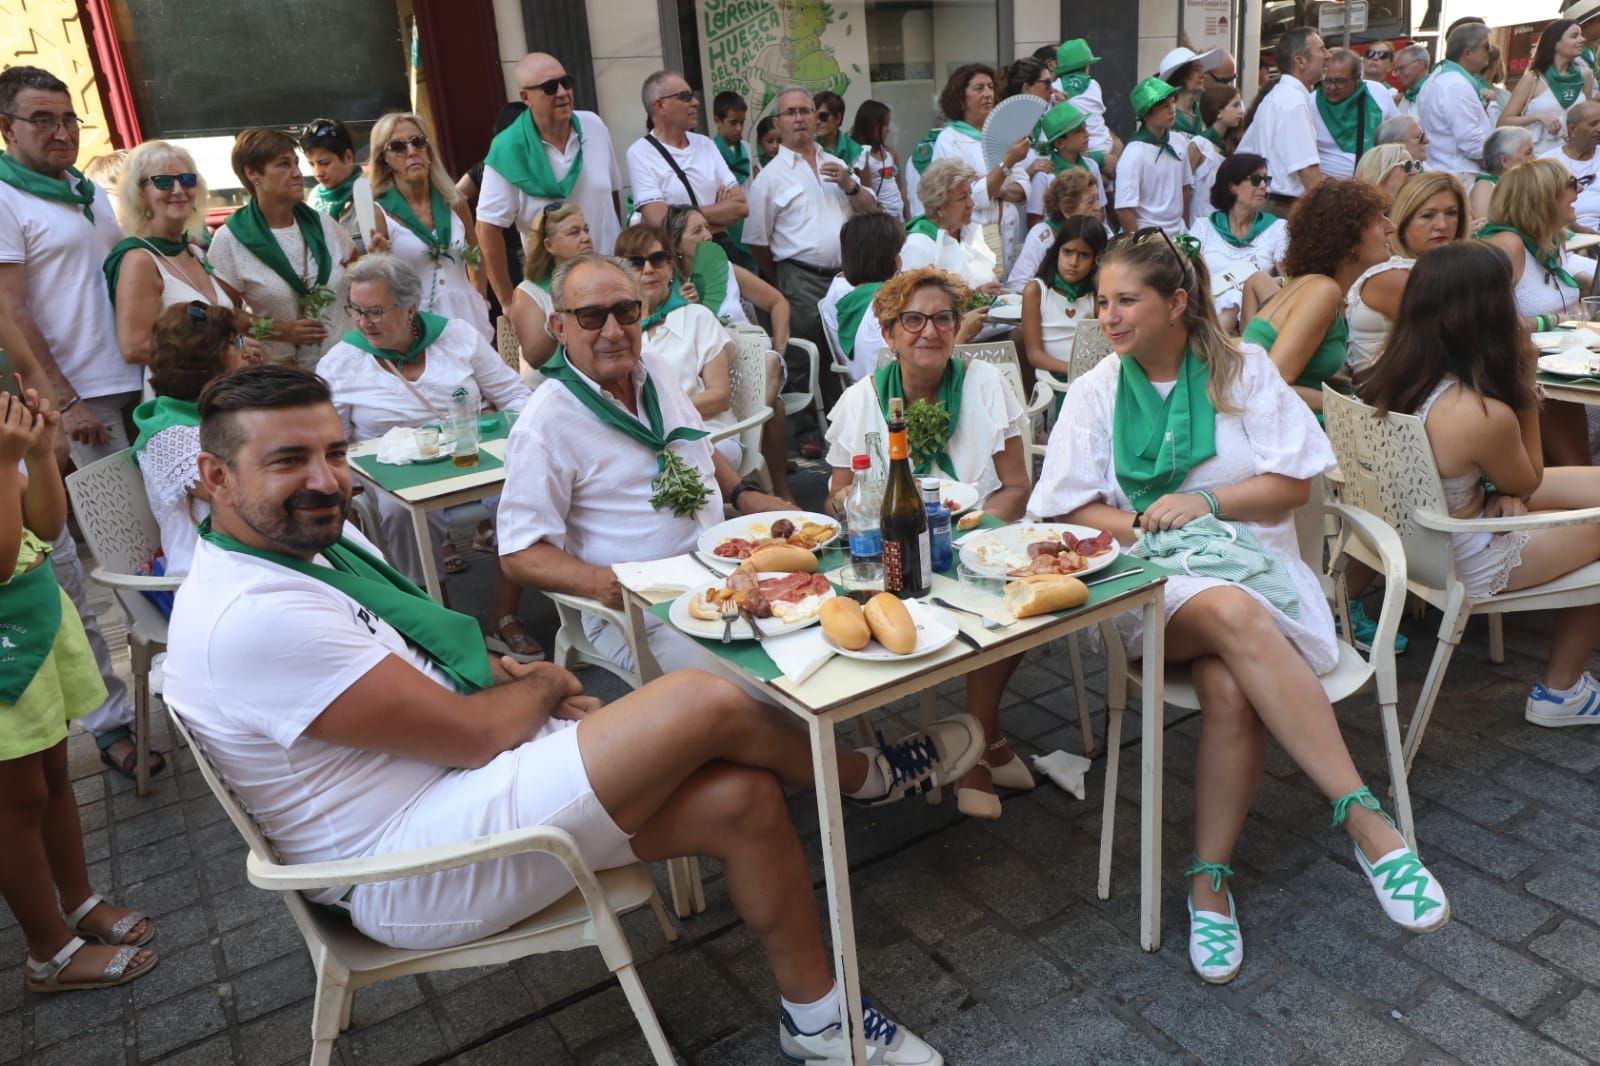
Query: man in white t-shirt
[[672, 164], [1578, 155], [56, 229], [530, 165], [1284, 129], [355, 717], [1451, 106]]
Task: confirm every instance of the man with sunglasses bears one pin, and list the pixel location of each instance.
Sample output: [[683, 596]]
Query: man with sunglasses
[[1578, 155], [1284, 129], [552, 153], [331, 151], [1450, 105], [1378, 60], [675, 164]]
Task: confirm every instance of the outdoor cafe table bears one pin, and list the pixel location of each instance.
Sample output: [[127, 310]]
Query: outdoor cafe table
[[422, 488], [1572, 390], [843, 689]]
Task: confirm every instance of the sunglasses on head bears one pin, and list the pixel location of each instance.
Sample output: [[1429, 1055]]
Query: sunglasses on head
[[553, 86], [1412, 166], [164, 182], [1259, 180], [399, 147], [654, 259], [594, 318]]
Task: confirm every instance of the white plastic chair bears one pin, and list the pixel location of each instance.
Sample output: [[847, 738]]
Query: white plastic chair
[[840, 370], [345, 960], [795, 402], [1388, 470], [114, 515], [1348, 677], [749, 404]]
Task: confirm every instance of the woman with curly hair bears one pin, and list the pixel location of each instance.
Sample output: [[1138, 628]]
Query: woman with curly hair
[[1336, 232], [1072, 192], [966, 101]]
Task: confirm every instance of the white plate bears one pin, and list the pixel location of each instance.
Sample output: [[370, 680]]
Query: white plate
[[1582, 240], [1568, 364], [754, 527], [679, 616], [991, 552], [1005, 312], [934, 631], [1562, 340], [1013, 117], [963, 495]]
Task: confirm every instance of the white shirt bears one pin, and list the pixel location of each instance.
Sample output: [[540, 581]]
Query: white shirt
[[1454, 118], [256, 652], [583, 486], [169, 465], [1588, 202], [990, 416], [501, 203], [795, 212], [686, 340], [1205, 178], [1335, 161], [862, 356], [701, 162], [1151, 182], [971, 257], [62, 253], [1265, 252], [953, 144], [446, 289], [371, 400], [1059, 318], [1032, 252], [1384, 94], [1093, 106], [1285, 133], [270, 296], [1038, 183]]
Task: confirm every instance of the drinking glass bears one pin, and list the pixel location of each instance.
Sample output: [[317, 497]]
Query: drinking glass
[[862, 579]]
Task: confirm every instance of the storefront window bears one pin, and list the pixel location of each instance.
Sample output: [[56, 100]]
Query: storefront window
[[1387, 20]]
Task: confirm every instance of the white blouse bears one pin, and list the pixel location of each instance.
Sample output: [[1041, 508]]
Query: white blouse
[[970, 258], [1059, 318], [371, 400], [169, 465], [686, 340], [990, 416], [1266, 251], [446, 289]]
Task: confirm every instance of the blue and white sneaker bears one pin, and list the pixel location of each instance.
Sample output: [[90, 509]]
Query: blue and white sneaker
[[927, 759], [887, 1044], [1553, 711]]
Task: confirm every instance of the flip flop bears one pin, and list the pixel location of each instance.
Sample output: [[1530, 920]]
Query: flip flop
[[127, 766], [454, 564]]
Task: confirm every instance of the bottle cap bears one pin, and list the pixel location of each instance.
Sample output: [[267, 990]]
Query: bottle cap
[[861, 462], [930, 484]]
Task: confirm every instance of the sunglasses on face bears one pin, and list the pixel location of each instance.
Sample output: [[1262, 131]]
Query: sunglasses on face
[[1259, 180], [400, 147], [594, 318], [1380, 55], [684, 97], [654, 259], [164, 182], [1577, 184], [916, 321], [553, 86], [1412, 166]]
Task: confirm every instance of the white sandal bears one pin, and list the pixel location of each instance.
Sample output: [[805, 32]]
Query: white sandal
[[122, 927], [46, 976]]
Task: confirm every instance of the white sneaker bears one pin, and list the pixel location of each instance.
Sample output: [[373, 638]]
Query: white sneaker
[[887, 1044], [1408, 893], [927, 759], [1553, 711], [1216, 946]]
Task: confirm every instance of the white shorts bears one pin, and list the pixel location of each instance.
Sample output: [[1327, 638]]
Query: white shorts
[[542, 782]]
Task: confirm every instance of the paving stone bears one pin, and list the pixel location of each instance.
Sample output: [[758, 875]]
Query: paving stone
[[1206, 1027], [1013, 889], [161, 894], [59, 1017], [1078, 1029], [1570, 890], [104, 1045], [1554, 746], [476, 1010], [175, 1022], [375, 1003], [1479, 800], [1318, 1017], [261, 941], [910, 987], [1465, 1027], [929, 916], [96, 845], [1347, 959], [280, 1038], [1506, 915], [1011, 974], [976, 1037], [1498, 853], [216, 840], [593, 1020], [13, 1034], [1573, 795], [749, 1045], [141, 864], [244, 904], [272, 986], [535, 1043], [150, 827], [217, 1050], [181, 971], [1496, 973], [1107, 958], [408, 1038], [1577, 1025], [1573, 945], [1560, 835]]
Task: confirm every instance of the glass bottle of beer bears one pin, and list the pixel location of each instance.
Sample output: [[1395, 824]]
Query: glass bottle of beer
[[907, 561]]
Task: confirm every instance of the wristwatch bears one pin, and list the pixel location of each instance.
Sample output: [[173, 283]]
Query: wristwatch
[[738, 490]]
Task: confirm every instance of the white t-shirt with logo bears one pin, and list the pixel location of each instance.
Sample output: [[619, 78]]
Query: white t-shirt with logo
[[62, 253]]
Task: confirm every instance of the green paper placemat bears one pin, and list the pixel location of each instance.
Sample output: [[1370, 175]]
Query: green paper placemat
[[397, 478], [747, 655], [1545, 378]]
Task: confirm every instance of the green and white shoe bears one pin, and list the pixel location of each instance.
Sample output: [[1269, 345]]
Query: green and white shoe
[[1408, 893], [1216, 946]]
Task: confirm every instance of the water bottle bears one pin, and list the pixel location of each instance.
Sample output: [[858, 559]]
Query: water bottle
[[464, 427], [938, 524], [880, 465], [861, 509]]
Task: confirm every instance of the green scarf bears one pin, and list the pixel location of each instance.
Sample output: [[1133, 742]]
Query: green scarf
[[60, 190], [1062, 166], [1550, 261], [1163, 145], [922, 154], [852, 308], [163, 412], [1156, 442], [432, 326], [436, 239], [451, 640], [889, 385], [709, 274], [1567, 87], [112, 267], [673, 301], [1258, 225], [335, 201], [1075, 84], [1072, 290], [1478, 84], [847, 148], [1492, 179], [249, 227], [1353, 122], [31, 606], [1415, 91], [965, 129], [1210, 133], [1190, 122], [517, 154], [737, 157], [925, 226]]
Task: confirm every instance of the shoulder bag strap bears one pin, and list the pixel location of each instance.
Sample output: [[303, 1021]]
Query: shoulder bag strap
[[676, 169]]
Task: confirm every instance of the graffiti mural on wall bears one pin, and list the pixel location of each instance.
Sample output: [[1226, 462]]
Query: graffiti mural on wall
[[756, 47]]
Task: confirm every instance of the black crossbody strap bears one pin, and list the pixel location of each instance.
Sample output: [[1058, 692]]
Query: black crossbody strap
[[676, 169]]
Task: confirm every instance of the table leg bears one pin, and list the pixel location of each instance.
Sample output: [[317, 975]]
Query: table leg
[[430, 572], [1151, 743], [836, 871]]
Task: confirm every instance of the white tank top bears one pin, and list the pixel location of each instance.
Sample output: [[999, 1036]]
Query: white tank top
[[177, 289], [1545, 105], [1369, 330], [881, 180], [1536, 294]]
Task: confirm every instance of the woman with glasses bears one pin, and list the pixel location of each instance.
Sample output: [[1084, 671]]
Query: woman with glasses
[[1239, 231], [425, 221], [559, 232], [946, 235], [1189, 428], [831, 134], [983, 445], [1554, 81], [1506, 147], [1387, 167]]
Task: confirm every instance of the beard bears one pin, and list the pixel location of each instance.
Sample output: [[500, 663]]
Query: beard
[[282, 525]]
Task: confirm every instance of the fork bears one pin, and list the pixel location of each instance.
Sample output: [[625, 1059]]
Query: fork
[[730, 612], [988, 623]]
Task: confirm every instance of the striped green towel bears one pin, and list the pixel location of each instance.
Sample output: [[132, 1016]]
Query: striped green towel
[[1210, 547]]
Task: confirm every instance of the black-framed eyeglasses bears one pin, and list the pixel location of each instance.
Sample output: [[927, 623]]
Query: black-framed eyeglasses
[[368, 314], [1259, 180], [553, 86], [916, 321], [654, 259], [48, 124], [684, 97], [1578, 184], [397, 146], [164, 182], [594, 318]]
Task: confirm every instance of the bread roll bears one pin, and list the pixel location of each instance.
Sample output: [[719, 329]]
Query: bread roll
[[1044, 594], [844, 624], [891, 623], [706, 612], [969, 521], [783, 559]]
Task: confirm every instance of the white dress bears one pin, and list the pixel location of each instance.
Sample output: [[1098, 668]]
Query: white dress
[[1059, 318], [990, 416], [1545, 105], [1205, 176], [1274, 432], [1369, 329], [686, 340], [446, 289], [881, 174], [530, 375], [169, 464]]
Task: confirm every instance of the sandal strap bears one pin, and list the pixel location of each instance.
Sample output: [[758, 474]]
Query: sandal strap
[[119, 963], [124, 925], [43, 971], [83, 909], [1217, 871], [1362, 796]]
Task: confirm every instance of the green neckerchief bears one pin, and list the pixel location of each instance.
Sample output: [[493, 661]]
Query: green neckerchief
[[922, 154], [1550, 261], [653, 436], [925, 226], [709, 273], [737, 157], [163, 412], [1415, 91], [1210, 133], [673, 301], [335, 201], [60, 190], [847, 148], [1478, 84], [544, 282], [30, 603], [1062, 166], [1352, 125], [1567, 87], [517, 154], [889, 385], [432, 326], [852, 308], [1163, 145], [1492, 179], [1156, 441], [1258, 225], [1054, 224], [1190, 122], [1072, 290], [249, 226], [451, 640], [437, 239], [112, 267], [1076, 84], [965, 129]]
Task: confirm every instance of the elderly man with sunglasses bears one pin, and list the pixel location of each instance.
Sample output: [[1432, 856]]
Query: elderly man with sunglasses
[[1578, 155], [673, 164], [551, 153]]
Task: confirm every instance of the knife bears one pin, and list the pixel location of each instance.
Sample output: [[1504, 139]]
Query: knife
[[970, 641], [706, 566]]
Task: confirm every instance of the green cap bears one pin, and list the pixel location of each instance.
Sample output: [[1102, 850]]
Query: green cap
[[1060, 121], [1149, 93], [1074, 55]]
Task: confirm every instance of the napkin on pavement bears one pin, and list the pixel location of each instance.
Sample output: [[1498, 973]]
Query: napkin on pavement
[[680, 573], [1065, 769], [799, 654]]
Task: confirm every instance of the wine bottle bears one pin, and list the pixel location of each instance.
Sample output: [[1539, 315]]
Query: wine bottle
[[907, 559]]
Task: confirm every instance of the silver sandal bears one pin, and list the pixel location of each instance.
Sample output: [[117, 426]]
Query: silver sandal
[[46, 976], [119, 930]]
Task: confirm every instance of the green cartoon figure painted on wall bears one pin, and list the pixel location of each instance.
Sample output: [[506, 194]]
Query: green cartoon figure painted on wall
[[798, 56]]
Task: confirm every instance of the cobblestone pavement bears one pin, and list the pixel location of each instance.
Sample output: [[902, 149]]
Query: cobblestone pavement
[[986, 938]]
